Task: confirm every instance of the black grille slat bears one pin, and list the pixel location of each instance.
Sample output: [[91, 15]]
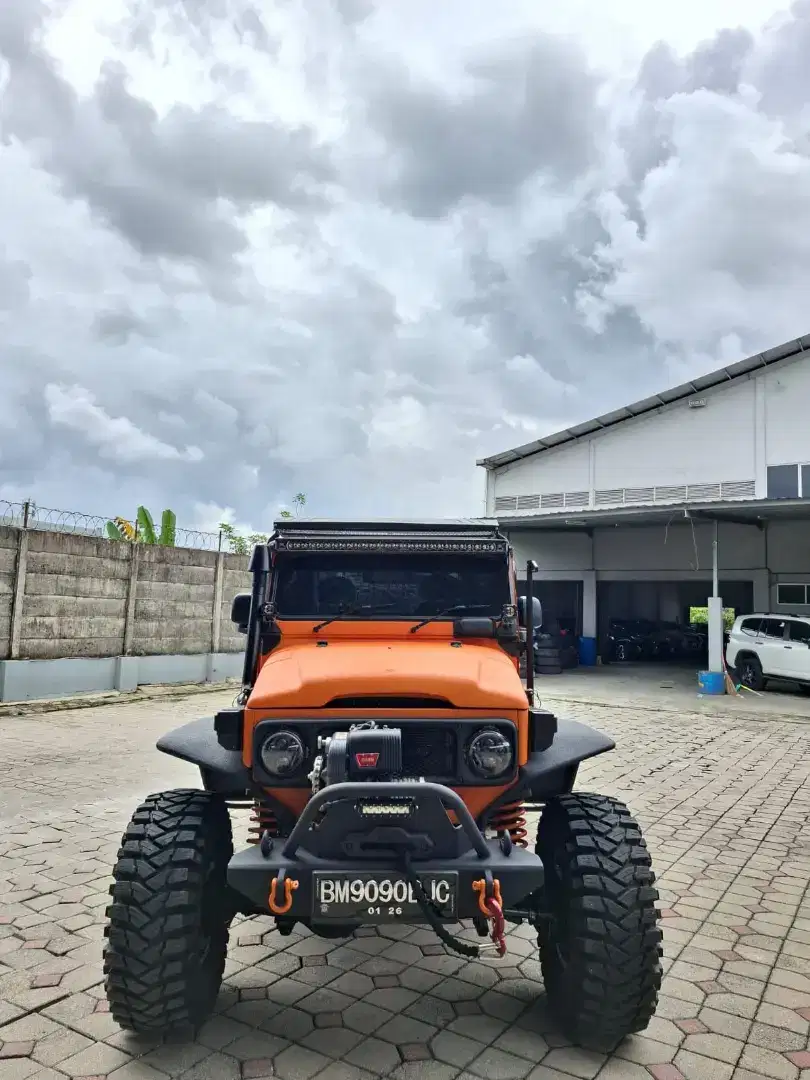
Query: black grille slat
[[428, 751]]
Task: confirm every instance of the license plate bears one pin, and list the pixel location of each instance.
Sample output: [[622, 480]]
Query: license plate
[[380, 897]]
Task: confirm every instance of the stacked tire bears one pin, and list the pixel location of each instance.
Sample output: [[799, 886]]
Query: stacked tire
[[547, 659]]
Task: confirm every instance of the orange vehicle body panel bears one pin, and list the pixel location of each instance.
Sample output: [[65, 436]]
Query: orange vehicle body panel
[[306, 671]]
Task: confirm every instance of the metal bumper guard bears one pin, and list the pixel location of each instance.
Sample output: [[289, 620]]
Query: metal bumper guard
[[346, 828]]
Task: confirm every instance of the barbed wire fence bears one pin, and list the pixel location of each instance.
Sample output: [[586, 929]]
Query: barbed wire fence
[[30, 515]]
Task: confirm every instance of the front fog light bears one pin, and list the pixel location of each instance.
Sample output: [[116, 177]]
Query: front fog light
[[490, 754], [282, 753]]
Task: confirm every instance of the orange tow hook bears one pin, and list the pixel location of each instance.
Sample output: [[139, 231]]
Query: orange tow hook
[[290, 884], [481, 888], [491, 907]]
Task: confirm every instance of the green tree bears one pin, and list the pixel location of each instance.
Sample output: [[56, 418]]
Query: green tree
[[299, 502], [238, 544]]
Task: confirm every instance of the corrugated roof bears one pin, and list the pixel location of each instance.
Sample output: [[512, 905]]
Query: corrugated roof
[[649, 404]]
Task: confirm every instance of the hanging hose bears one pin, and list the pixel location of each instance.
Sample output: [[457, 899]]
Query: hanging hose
[[491, 907], [472, 952]]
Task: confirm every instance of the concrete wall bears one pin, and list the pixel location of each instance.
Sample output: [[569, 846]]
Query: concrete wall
[[74, 597], [8, 563], [76, 612], [673, 454]]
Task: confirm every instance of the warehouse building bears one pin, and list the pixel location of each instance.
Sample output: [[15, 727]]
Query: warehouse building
[[628, 514]]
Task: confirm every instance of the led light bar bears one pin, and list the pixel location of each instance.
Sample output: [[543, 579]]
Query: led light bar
[[386, 809], [477, 546]]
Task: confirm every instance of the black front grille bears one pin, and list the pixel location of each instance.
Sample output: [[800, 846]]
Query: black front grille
[[432, 748], [429, 750]]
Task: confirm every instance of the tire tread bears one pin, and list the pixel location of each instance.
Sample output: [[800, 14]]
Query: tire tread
[[173, 855], [605, 900]]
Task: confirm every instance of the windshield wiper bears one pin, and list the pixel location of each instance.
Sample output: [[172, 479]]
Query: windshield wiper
[[357, 609], [455, 610]]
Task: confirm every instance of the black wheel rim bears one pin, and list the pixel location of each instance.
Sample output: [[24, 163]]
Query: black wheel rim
[[748, 675]]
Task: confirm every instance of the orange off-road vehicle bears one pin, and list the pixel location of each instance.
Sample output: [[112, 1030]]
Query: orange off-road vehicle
[[390, 754]]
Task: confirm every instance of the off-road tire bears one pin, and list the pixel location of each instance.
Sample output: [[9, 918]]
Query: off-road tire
[[601, 949], [167, 928], [749, 672]]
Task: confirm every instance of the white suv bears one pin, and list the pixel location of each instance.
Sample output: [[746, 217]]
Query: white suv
[[762, 647]]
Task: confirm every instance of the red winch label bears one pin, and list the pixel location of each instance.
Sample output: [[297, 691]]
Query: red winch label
[[367, 760]]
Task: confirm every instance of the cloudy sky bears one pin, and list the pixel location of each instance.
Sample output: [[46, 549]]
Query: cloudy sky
[[346, 247]]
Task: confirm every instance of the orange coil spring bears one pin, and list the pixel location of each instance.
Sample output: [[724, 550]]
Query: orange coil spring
[[261, 818], [511, 819]]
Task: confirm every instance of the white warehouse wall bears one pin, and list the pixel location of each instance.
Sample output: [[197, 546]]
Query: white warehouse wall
[[681, 445], [567, 469], [787, 403], [744, 427], [642, 550]]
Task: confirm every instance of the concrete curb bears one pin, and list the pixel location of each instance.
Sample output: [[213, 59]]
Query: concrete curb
[[113, 697]]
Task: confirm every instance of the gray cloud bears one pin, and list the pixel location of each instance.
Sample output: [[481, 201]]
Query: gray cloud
[[307, 257], [527, 109], [163, 182]]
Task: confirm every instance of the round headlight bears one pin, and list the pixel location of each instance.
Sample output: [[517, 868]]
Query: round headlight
[[282, 753], [490, 754]]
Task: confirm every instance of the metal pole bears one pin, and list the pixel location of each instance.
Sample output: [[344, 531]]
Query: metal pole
[[715, 609], [531, 566], [715, 552]]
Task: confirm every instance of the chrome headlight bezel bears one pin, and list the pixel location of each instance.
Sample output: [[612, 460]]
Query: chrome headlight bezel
[[288, 743], [490, 754]]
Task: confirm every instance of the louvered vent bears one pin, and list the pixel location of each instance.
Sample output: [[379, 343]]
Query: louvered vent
[[528, 502], [699, 492], [549, 502], [739, 489], [634, 496], [609, 497], [505, 503], [673, 493], [577, 498]]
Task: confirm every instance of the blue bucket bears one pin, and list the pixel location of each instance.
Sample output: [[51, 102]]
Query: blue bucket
[[587, 651], [711, 682]]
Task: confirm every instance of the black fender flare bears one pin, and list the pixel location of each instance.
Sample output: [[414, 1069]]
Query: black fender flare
[[222, 771], [552, 772]]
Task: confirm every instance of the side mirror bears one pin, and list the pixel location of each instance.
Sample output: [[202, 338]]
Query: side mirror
[[537, 609], [240, 611]]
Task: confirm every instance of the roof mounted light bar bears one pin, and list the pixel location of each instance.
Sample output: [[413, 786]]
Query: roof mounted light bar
[[390, 544]]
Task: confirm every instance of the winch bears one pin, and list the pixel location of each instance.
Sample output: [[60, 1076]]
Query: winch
[[367, 751]]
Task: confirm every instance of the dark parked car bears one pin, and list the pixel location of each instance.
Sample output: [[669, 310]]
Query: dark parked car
[[625, 641]]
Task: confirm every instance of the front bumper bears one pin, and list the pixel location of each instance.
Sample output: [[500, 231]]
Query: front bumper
[[338, 833]]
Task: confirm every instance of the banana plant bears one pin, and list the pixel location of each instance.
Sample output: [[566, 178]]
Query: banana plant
[[143, 530], [146, 527], [168, 528], [121, 529]]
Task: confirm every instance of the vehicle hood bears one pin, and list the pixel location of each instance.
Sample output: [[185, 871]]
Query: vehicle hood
[[309, 676]]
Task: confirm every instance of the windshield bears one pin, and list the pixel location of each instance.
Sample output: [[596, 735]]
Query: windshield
[[388, 586]]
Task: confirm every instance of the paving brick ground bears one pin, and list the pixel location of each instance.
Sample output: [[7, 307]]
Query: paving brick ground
[[725, 804]]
